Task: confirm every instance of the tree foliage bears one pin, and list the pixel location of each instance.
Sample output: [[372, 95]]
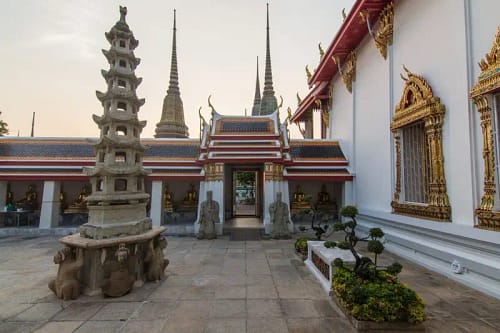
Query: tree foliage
[[4, 130]]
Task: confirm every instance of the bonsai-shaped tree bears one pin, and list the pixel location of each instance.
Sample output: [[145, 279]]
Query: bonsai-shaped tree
[[364, 267], [318, 228], [367, 291]]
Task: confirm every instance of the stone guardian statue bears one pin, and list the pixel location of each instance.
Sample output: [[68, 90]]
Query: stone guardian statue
[[279, 213], [155, 262], [66, 285], [209, 215]]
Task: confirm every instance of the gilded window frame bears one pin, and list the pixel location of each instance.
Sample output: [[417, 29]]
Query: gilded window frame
[[487, 84], [418, 103]]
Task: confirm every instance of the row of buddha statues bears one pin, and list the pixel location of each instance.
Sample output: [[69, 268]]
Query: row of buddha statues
[[28, 203], [189, 202], [301, 201]]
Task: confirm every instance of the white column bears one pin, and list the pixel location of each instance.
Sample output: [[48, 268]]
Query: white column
[[156, 212], [3, 193], [49, 215], [347, 195]]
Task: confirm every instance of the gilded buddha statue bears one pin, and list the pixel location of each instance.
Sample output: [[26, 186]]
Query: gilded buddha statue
[[299, 200], [29, 201], [190, 201], [80, 203], [168, 206], [324, 203], [323, 196]]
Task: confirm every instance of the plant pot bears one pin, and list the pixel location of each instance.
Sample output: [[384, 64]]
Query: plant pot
[[362, 325]]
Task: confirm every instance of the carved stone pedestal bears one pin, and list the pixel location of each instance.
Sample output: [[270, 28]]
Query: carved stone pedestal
[[100, 260]]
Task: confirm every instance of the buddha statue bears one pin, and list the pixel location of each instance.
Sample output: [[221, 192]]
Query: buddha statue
[[167, 201], [191, 196], [29, 201], [299, 200], [323, 196], [324, 203], [80, 203]]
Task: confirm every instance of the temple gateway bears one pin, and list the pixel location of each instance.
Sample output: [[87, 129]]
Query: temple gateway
[[406, 98]]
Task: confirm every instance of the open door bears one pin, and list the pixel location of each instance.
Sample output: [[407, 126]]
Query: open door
[[245, 193]]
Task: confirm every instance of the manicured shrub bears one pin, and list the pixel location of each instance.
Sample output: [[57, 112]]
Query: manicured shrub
[[367, 291], [381, 299]]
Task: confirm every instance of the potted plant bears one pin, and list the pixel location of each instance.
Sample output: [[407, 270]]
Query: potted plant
[[370, 295]]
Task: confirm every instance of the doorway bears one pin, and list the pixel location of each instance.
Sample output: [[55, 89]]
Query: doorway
[[245, 193]]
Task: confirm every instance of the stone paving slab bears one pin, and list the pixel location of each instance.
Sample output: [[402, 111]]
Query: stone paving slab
[[215, 286]]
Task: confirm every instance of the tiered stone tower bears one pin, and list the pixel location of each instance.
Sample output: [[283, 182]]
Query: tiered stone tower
[[269, 104], [172, 124], [117, 206], [117, 249]]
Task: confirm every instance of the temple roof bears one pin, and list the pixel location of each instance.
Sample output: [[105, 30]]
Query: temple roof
[[347, 39], [64, 158]]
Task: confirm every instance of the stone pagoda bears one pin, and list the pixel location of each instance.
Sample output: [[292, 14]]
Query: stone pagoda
[[118, 226], [172, 124], [117, 205]]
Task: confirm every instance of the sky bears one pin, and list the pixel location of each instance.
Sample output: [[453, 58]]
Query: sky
[[51, 57]]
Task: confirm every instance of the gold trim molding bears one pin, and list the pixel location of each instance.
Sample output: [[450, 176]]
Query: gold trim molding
[[273, 171], [418, 104], [488, 82], [348, 72], [214, 172], [383, 35]]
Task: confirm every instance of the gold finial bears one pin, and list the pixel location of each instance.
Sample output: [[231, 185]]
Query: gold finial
[[321, 51], [408, 72], [318, 103], [199, 114], [245, 112], [289, 112], [210, 104], [308, 73], [281, 102], [344, 16], [299, 100]]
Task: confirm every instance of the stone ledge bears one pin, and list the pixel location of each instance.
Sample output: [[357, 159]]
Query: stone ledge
[[317, 253], [88, 243]]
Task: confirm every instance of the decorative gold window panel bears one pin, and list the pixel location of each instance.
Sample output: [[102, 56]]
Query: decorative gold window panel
[[488, 84], [420, 189], [415, 163]]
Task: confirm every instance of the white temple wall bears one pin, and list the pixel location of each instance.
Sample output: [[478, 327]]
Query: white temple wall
[[372, 129], [341, 118], [429, 38]]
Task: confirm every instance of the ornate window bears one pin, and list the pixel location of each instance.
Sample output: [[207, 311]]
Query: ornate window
[[420, 181], [483, 97]]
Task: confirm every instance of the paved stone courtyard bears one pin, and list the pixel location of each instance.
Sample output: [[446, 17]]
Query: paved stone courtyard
[[214, 286]]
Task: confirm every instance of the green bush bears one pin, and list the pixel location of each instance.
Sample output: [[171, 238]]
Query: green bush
[[301, 245], [380, 299]]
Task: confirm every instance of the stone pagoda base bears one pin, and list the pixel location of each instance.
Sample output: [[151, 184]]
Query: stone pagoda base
[[99, 255], [116, 221]]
